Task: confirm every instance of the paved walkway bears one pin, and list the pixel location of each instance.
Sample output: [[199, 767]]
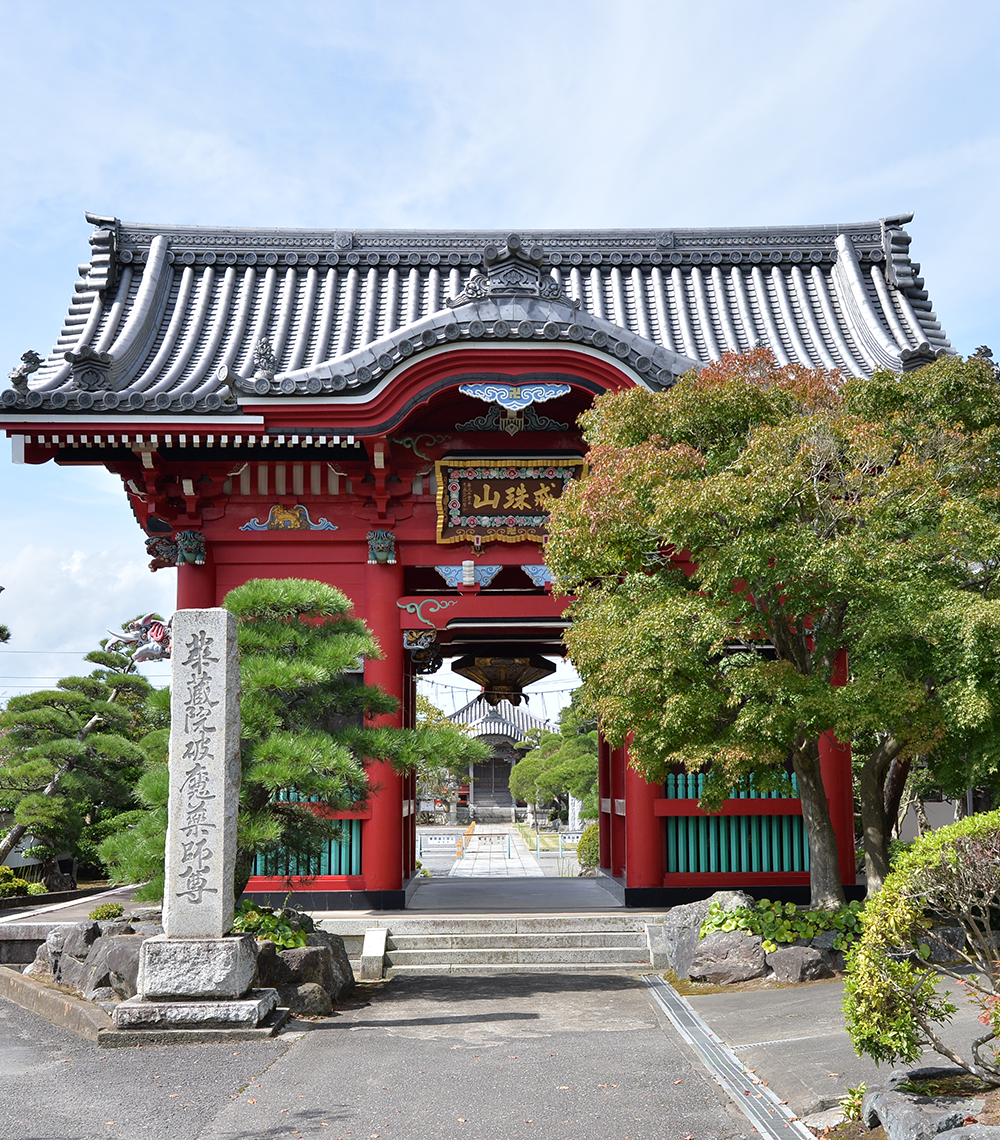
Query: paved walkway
[[496, 851], [529, 1057], [505, 895]]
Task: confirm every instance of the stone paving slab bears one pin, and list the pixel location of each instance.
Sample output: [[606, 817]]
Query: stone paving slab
[[794, 1038]]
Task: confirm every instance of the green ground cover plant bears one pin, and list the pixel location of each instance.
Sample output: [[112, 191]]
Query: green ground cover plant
[[287, 928], [783, 922]]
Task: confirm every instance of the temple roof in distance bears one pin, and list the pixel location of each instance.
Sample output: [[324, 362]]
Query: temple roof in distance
[[188, 320], [506, 720]]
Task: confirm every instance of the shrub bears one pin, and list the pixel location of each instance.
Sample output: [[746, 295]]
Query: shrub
[[783, 922], [286, 927], [892, 1003], [37, 889], [11, 885], [106, 911], [588, 850]]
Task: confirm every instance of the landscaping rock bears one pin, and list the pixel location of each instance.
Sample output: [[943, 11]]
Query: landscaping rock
[[271, 970], [343, 975], [123, 964], [798, 963], [43, 966], [727, 956], [682, 927], [945, 943], [309, 964], [908, 1116], [307, 998], [80, 938], [972, 1132]]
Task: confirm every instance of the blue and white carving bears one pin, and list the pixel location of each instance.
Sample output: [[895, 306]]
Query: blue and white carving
[[453, 574], [540, 575], [514, 397]]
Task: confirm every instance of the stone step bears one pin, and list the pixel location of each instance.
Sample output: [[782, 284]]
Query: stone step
[[520, 968], [527, 924], [625, 939], [503, 956]]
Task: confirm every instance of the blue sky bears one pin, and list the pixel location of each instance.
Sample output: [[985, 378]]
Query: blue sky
[[520, 115]]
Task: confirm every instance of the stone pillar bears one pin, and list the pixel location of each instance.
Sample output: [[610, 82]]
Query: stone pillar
[[204, 775], [196, 974], [382, 848]]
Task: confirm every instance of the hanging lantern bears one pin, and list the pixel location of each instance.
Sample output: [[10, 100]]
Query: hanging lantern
[[504, 678]]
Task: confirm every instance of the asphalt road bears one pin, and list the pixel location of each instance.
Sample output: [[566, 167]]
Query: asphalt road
[[517, 1057]]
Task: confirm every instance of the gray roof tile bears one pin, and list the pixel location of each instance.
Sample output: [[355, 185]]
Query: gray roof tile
[[174, 306]]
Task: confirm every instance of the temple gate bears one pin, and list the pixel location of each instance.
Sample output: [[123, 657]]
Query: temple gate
[[391, 413]]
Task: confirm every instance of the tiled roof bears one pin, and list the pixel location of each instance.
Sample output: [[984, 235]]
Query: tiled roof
[[192, 319], [504, 720]]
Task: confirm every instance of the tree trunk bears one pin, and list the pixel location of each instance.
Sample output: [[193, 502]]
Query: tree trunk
[[825, 888], [874, 825], [895, 784]]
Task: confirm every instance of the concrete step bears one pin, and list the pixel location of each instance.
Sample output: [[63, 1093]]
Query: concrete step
[[504, 956], [626, 939], [491, 968], [513, 924]]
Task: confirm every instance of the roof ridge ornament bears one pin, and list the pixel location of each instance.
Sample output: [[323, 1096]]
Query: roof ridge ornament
[[91, 369], [18, 377], [512, 270]]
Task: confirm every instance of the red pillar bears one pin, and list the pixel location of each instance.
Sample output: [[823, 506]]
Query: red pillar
[[604, 792], [835, 768], [196, 584], [382, 846], [643, 831], [617, 806]]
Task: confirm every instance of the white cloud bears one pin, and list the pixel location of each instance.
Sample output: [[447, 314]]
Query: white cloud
[[59, 602]]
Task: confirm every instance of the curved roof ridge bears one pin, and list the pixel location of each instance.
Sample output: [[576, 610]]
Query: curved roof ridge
[[196, 317]]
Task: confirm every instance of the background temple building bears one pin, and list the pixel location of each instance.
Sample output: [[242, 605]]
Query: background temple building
[[391, 412]]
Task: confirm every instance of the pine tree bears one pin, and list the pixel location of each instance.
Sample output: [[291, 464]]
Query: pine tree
[[304, 741], [71, 756]]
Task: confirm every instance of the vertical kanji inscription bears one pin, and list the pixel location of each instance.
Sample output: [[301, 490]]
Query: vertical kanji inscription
[[204, 775]]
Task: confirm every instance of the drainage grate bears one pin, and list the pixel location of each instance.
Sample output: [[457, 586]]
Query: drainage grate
[[760, 1106]]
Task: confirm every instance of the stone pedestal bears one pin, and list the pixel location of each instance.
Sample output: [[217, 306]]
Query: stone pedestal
[[180, 969], [245, 1013]]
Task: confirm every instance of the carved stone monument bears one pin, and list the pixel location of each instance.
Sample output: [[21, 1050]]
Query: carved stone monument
[[196, 974]]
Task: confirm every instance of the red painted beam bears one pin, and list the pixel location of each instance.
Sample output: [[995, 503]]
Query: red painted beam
[[423, 612]]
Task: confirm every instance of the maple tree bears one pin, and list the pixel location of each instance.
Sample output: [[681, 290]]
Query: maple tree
[[740, 535]]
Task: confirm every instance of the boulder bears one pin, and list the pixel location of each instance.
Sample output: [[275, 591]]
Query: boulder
[[908, 1116], [271, 969], [972, 1132], [682, 928], [309, 964], [343, 975], [798, 963], [945, 943], [727, 956], [43, 966], [123, 963], [80, 938], [306, 998]]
